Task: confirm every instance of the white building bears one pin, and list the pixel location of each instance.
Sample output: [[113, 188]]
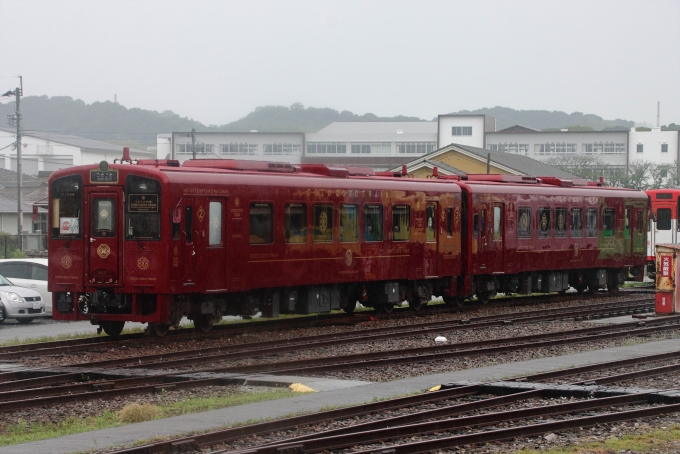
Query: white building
[[462, 129], [661, 147], [47, 152]]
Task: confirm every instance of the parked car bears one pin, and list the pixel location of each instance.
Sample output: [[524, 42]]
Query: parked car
[[30, 273], [20, 303]]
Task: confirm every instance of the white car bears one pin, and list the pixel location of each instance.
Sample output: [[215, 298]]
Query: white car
[[30, 273], [20, 303]]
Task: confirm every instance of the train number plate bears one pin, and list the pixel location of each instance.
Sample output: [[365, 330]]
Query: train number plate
[[104, 176]]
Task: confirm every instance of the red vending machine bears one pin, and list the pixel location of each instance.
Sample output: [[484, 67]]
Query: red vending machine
[[666, 277]]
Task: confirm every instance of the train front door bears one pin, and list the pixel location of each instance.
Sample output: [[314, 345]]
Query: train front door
[[104, 238], [491, 238], [212, 243], [189, 265], [430, 249]]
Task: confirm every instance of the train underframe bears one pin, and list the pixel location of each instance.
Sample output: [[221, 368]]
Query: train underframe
[[110, 310]]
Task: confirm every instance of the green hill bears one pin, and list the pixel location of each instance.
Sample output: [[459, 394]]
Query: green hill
[[112, 122]]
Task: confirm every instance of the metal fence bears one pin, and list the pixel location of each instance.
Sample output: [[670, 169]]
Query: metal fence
[[27, 244]]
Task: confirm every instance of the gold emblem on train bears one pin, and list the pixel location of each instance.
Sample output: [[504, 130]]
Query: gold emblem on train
[[201, 213], [575, 250], [143, 263], [237, 202], [560, 221], [443, 215], [544, 222], [348, 257], [524, 222], [456, 215], [103, 250], [66, 262], [104, 214], [323, 221]]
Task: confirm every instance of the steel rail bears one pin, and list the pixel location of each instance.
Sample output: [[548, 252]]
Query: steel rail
[[235, 352], [419, 354]]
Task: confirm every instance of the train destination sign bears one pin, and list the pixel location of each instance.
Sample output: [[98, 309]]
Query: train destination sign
[[143, 203], [104, 176]]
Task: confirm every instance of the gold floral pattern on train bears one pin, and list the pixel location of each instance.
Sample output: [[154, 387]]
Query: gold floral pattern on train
[[66, 262], [143, 263], [103, 250]]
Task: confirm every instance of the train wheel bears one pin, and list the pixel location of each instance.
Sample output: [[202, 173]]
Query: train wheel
[[159, 329], [386, 307], [580, 289], [203, 323], [484, 297], [417, 303], [348, 305], [113, 328]]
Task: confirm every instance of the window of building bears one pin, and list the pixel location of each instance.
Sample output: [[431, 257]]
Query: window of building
[[664, 148], [513, 148], [282, 149], [544, 222], [576, 223], [373, 222], [323, 223], [608, 220], [295, 223], [215, 229], [415, 147], [663, 219], [564, 148], [401, 223], [372, 148], [591, 222], [261, 223], [640, 148], [238, 149], [349, 223], [461, 131], [326, 148], [524, 222]]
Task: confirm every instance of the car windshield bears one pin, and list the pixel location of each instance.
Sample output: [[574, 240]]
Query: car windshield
[[4, 281]]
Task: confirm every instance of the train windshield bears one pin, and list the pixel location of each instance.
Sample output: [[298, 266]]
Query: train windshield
[[67, 207], [143, 209]]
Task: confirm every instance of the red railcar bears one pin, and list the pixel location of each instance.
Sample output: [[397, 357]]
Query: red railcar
[[154, 242]]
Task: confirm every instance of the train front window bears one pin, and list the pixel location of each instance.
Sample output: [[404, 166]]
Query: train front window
[[103, 218], [67, 206], [663, 219], [143, 209]]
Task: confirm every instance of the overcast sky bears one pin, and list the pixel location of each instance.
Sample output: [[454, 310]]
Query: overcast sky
[[216, 61]]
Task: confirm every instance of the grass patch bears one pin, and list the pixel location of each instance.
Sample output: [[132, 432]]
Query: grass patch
[[659, 440], [23, 432]]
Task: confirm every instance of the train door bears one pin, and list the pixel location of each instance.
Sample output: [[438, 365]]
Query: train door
[[628, 235], [212, 244], [104, 241], [482, 241], [430, 249], [189, 243], [495, 256]]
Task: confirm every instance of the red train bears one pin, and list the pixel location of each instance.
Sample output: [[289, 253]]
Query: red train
[[154, 242], [663, 226]]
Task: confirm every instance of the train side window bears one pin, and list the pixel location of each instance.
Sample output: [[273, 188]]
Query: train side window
[[576, 223], [401, 223], [608, 220], [261, 223], [189, 223], [639, 221], [323, 223], [560, 222], [591, 222], [663, 219], [103, 218], [215, 232], [475, 224], [544, 222], [431, 220], [295, 229], [497, 222], [449, 222], [176, 219], [524, 223], [349, 223], [373, 222], [626, 222]]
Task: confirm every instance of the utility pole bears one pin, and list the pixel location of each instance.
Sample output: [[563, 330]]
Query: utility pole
[[16, 120], [193, 143]]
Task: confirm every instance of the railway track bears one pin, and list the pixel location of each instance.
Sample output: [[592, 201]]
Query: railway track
[[84, 382]]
